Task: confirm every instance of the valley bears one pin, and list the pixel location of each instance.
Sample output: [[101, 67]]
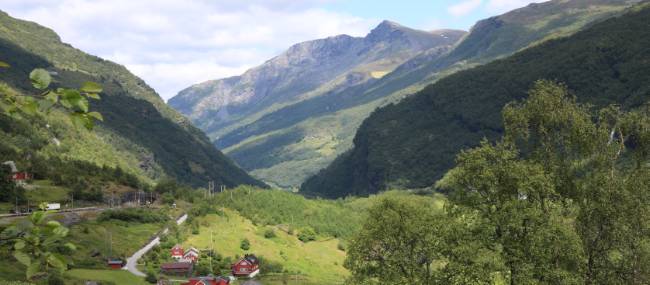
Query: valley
[[516, 152]]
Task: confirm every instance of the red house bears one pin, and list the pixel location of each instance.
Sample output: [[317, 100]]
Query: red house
[[115, 263], [177, 252], [248, 266], [191, 255], [207, 281]]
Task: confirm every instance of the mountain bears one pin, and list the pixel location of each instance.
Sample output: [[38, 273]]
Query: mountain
[[231, 110], [413, 143], [290, 141], [140, 133]]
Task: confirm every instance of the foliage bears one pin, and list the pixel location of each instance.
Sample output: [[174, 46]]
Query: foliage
[[276, 207], [245, 244], [400, 243], [133, 215], [413, 143], [307, 234], [75, 101], [562, 198], [269, 233], [151, 277], [9, 191], [39, 244]]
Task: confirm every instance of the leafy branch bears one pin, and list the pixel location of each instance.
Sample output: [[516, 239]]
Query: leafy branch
[[75, 101]]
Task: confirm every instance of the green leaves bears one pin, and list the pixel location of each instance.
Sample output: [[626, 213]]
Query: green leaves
[[76, 101], [40, 78], [91, 87], [22, 257]]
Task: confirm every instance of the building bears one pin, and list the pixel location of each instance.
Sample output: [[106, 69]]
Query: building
[[115, 263], [191, 255], [177, 252], [20, 178], [177, 268], [207, 281], [249, 266]]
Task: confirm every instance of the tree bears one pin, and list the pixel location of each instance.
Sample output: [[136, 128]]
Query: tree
[[399, 244], [9, 191], [38, 244], [245, 244]]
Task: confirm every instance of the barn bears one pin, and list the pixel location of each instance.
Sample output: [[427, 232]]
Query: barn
[[207, 281], [115, 263], [249, 266], [177, 268]]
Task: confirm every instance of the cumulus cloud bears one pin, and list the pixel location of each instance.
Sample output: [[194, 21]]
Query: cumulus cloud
[[492, 6], [172, 44], [465, 7]]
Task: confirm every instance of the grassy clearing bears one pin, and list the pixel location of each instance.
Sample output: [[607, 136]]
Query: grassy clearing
[[118, 277], [319, 261], [43, 191]]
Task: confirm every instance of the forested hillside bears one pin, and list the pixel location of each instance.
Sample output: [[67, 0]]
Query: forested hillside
[[140, 134], [413, 143]]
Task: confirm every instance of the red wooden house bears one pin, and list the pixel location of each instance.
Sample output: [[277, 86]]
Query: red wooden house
[[207, 281], [177, 252], [248, 266], [191, 255], [115, 263]]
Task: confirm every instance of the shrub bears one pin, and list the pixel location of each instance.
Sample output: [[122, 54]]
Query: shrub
[[133, 215], [307, 234], [269, 233], [245, 244], [151, 277]]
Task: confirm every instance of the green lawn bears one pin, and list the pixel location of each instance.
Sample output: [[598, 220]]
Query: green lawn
[[318, 261], [118, 277], [44, 191]]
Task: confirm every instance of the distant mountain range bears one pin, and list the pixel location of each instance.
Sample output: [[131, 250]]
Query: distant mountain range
[[290, 117], [140, 134], [235, 111], [413, 143]]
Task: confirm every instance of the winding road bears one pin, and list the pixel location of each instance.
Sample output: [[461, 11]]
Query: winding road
[[132, 262]]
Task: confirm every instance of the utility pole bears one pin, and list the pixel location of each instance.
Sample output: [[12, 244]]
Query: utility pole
[[211, 251]]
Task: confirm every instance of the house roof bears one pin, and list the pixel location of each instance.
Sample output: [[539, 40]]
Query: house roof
[[252, 258], [176, 265], [115, 261]]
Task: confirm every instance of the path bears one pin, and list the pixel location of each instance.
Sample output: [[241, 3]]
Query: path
[[132, 262]]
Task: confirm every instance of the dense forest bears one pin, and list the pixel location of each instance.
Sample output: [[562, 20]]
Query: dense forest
[[413, 143]]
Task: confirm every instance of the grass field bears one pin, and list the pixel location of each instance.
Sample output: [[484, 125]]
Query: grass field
[[319, 261], [118, 277]]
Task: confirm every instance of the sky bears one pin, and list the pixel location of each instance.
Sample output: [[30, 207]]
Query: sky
[[172, 44]]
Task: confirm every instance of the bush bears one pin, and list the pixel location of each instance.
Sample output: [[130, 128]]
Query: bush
[[341, 246], [307, 234], [269, 233], [151, 277], [269, 266], [133, 215], [245, 244]]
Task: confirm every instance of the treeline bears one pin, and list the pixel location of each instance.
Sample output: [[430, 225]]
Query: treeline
[[562, 198]]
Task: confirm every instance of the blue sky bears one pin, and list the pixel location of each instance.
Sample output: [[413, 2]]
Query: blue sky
[[173, 44]]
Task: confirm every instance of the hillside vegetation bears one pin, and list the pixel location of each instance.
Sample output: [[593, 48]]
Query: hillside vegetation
[[140, 134], [413, 143]]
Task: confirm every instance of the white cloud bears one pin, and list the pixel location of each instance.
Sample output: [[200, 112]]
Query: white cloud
[[464, 8], [502, 6], [172, 44]]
